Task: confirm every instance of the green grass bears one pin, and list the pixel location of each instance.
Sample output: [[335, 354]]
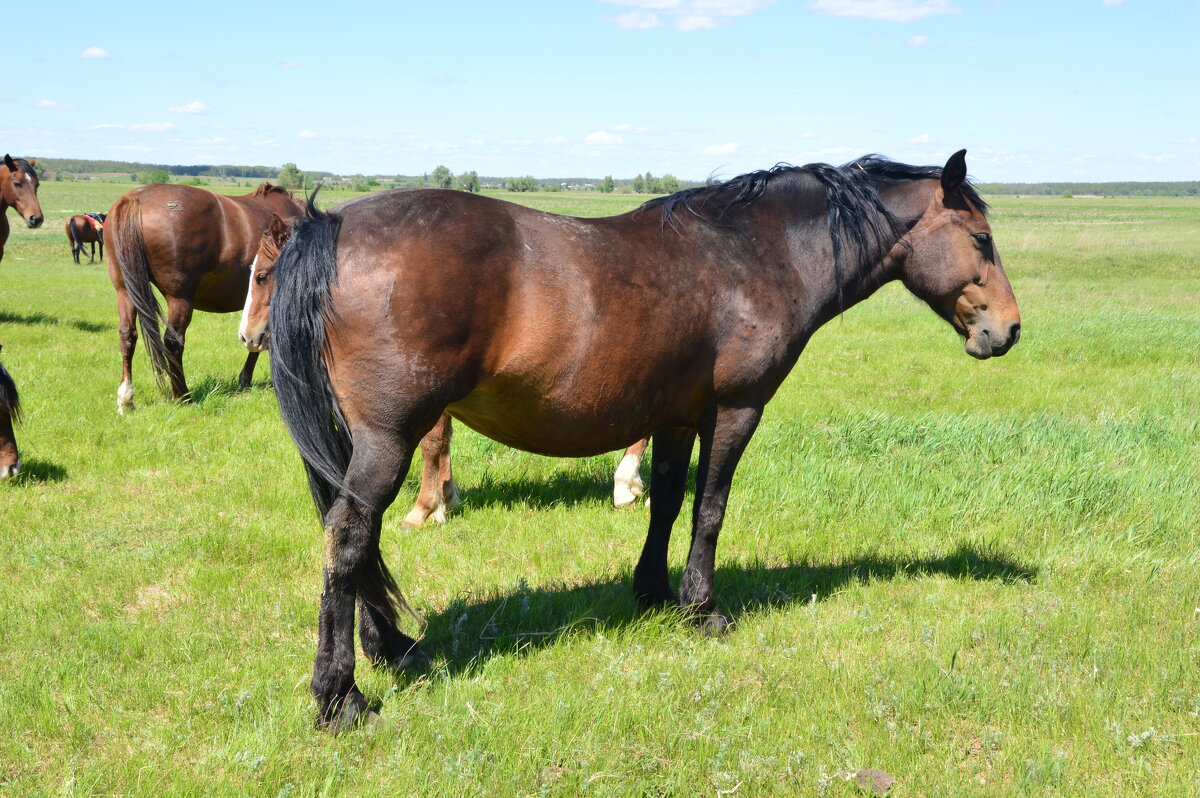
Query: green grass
[[979, 577]]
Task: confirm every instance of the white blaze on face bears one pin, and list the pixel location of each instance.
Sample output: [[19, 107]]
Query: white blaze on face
[[243, 329]]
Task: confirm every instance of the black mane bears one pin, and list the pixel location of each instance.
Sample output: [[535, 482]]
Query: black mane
[[857, 215]]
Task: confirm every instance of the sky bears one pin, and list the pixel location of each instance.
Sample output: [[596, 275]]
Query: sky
[[1078, 90]]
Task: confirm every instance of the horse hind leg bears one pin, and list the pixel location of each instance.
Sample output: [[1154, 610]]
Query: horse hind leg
[[355, 573], [438, 495], [627, 481], [127, 326], [179, 316]]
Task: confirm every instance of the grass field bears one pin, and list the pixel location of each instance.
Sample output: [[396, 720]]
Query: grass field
[[982, 578]]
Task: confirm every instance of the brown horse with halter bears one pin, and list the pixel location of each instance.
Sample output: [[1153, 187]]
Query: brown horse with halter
[[196, 247], [18, 189], [572, 337], [10, 411], [86, 228], [439, 493]]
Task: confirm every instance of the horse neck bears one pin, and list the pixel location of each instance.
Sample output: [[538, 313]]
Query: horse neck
[[5, 188]]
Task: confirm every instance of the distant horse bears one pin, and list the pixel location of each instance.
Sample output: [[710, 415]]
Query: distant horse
[[571, 337], [438, 494], [18, 189], [85, 228], [10, 411], [196, 247]]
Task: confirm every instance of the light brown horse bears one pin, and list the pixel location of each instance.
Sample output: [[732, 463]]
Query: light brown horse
[[196, 247], [10, 411], [86, 228], [438, 494], [18, 189], [572, 337]]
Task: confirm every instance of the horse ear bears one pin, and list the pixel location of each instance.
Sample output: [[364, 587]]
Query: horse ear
[[10, 163], [33, 161], [279, 230], [954, 173]]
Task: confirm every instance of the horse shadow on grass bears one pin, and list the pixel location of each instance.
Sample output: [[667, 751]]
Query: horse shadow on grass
[[469, 632], [34, 469], [42, 318], [208, 389], [565, 487]]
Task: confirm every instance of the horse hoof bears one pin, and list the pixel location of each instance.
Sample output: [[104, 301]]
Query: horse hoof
[[656, 599], [351, 712], [715, 624]]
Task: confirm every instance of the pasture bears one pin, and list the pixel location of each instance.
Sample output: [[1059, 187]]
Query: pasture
[[980, 577]]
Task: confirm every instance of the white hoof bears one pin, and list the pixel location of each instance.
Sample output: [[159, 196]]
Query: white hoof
[[627, 482], [125, 397]]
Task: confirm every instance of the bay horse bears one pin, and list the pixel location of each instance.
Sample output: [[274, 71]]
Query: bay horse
[[438, 494], [571, 337], [86, 228], [18, 189], [10, 411], [196, 247]]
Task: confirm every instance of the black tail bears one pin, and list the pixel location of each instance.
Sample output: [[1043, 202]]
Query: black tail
[[305, 272], [76, 244], [10, 401], [129, 248]]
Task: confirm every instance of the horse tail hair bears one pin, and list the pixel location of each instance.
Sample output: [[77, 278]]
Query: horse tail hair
[[305, 273], [128, 246], [10, 400], [73, 231]]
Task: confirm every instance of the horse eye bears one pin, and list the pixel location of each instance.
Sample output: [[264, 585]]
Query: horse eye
[[982, 238], [260, 278]]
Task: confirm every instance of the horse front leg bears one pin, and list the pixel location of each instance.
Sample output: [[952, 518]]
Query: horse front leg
[[246, 377], [179, 316], [127, 329], [669, 464], [723, 439], [438, 495]]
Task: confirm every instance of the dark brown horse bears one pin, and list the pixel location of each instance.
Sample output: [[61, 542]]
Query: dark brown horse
[[196, 247], [86, 228], [18, 189], [10, 411], [572, 337], [438, 494]]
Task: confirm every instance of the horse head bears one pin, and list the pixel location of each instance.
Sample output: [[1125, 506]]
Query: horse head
[[252, 331], [19, 189], [949, 260]]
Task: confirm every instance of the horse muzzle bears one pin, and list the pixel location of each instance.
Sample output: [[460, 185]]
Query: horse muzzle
[[986, 342], [257, 343], [34, 221]]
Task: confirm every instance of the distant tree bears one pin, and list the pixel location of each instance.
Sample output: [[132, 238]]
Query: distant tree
[[606, 185], [442, 178], [359, 183], [469, 181], [526, 183], [639, 185], [290, 176], [669, 183], [154, 176]]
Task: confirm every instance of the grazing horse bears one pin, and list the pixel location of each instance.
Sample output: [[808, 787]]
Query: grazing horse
[[86, 228], [571, 337], [18, 189], [196, 247], [10, 411], [438, 494]]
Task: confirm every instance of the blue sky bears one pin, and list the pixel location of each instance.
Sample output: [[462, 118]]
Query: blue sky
[[1086, 90]]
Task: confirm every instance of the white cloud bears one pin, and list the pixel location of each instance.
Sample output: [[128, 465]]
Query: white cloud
[[722, 149], [917, 41], [290, 64], [685, 15], [194, 107], [558, 140], [884, 10], [605, 138], [143, 127], [95, 52], [306, 134], [1111, 3], [1154, 158], [54, 106], [924, 138]]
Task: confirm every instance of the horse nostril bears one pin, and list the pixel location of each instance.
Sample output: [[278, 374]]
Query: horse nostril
[[1014, 333]]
